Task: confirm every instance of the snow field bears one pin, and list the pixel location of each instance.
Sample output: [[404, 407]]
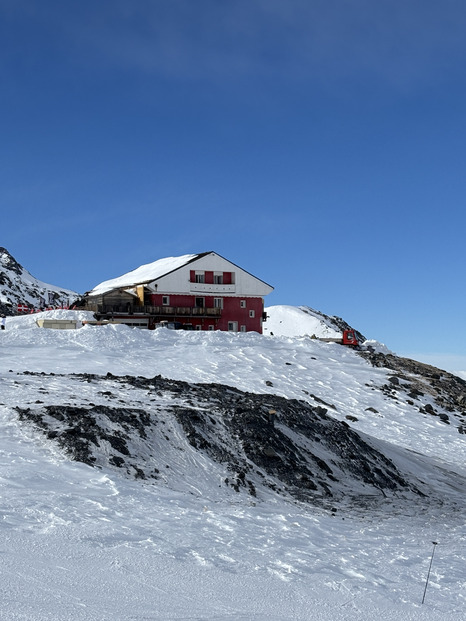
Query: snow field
[[75, 539], [80, 543]]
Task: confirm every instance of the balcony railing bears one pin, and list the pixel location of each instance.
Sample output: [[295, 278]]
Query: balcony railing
[[170, 311]]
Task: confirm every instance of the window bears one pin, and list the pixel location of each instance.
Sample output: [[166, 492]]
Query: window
[[233, 326], [242, 303], [211, 327], [252, 313], [218, 302], [166, 300], [198, 327], [218, 279], [199, 302], [242, 329], [200, 277]]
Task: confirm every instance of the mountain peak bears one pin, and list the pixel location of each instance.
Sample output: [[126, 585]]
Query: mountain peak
[[18, 286], [7, 261]]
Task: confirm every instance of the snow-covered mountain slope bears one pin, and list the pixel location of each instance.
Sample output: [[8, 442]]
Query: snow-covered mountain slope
[[178, 541], [18, 286], [283, 320]]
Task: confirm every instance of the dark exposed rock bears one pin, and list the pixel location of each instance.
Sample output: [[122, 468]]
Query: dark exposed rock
[[422, 381], [415, 394], [81, 431], [322, 402], [305, 454]]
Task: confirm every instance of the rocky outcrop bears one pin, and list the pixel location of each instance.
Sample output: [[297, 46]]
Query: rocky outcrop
[[260, 442], [415, 380]]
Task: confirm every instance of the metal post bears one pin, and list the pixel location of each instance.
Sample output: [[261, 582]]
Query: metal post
[[428, 573]]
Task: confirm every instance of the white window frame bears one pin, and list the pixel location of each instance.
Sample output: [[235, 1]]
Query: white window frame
[[199, 277], [242, 303], [165, 300], [232, 326], [243, 329], [218, 278], [218, 302], [252, 314]]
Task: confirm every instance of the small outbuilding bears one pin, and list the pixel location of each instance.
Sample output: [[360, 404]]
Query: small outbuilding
[[59, 324]]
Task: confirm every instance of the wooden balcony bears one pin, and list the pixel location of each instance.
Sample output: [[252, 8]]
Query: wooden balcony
[[154, 311]]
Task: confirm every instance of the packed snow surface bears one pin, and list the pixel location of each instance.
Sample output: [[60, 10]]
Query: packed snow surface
[[81, 543]]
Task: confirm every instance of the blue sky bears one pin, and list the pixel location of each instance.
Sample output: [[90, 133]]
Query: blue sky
[[319, 144]]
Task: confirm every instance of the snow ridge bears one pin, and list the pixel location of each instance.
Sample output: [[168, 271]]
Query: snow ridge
[[286, 320]]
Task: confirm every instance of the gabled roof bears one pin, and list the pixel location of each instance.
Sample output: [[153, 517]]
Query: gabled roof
[[152, 271], [145, 273]]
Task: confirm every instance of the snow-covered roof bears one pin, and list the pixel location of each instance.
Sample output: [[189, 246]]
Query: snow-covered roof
[[144, 274]]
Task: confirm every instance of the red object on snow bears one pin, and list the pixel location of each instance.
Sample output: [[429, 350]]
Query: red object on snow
[[349, 338]]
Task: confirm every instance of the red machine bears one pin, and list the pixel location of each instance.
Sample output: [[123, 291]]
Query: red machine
[[349, 338]]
